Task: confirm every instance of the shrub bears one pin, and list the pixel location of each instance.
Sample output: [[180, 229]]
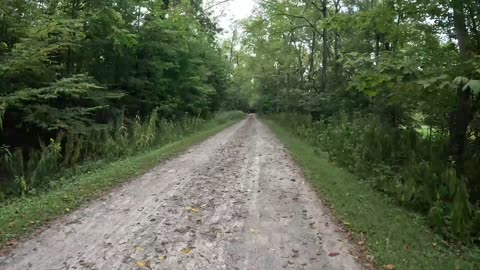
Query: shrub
[[400, 162], [27, 174]]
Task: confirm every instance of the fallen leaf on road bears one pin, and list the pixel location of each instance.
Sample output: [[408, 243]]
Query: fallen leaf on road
[[162, 258], [389, 266], [143, 264], [186, 250], [333, 254], [192, 209], [138, 249]]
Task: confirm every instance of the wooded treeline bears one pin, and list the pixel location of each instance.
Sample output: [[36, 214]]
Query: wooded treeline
[[389, 89], [81, 79]]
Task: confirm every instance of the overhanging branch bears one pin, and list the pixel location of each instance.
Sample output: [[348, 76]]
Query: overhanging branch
[[216, 4], [313, 26]]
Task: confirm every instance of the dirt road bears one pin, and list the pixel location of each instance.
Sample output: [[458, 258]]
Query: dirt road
[[236, 201]]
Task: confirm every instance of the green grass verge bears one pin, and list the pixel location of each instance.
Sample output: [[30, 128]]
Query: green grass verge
[[394, 235], [21, 216]]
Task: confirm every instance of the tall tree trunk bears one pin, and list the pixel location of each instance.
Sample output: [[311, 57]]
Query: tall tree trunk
[[460, 27], [337, 45], [463, 114], [301, 69], [74, 9], [311, 61], [230, 58], [462, 117], [474, 28], [298, 51], [323, 84], [232, 44]]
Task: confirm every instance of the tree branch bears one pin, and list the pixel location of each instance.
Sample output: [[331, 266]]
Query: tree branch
[[315, 5], [300, 17], [216, 4]]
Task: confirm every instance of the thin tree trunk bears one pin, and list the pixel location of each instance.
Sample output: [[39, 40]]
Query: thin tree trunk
[[313, 45], [474, 28], [298, 50], [337, 45], [463, 114], [301, 69], [232, 44], [377, 46], [68, 60], [323, 85], [460, 26]]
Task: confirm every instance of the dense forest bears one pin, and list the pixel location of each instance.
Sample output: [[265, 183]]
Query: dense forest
[[88, 79], [389, 89]]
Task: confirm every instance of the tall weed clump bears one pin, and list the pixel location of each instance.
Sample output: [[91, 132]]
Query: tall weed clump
[[26, 172], [401, 162]]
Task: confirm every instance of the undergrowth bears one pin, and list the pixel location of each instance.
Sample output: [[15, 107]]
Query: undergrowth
[[403, 164], [392, 234], [21, 215], [27, 173]]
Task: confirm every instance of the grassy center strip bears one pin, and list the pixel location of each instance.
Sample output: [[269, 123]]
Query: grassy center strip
[[394, 236], [21, 216]]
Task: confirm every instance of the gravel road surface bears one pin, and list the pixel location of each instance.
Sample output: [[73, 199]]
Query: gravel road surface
[[235, 201]]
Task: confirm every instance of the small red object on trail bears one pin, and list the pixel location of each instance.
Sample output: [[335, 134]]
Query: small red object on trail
[[333, 254]]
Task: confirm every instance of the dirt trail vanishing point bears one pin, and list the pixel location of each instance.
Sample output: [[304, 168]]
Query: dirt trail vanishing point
[[236, 201]]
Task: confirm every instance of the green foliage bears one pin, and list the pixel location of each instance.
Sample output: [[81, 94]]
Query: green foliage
[[390, 233], [69, 105], [38, 171], [105, 79], [398, 162], [43, 164], [387, 89], [74, 186]]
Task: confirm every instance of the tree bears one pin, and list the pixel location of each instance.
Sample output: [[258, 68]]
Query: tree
[[391, 62]]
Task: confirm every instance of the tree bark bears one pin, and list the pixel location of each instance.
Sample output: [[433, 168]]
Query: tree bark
[[311, 61], [463, 114], [462, 117], [474, 28], [460, 27], [377, 46], [323, 84], [234, 36], [337, 45], [298, 50]]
